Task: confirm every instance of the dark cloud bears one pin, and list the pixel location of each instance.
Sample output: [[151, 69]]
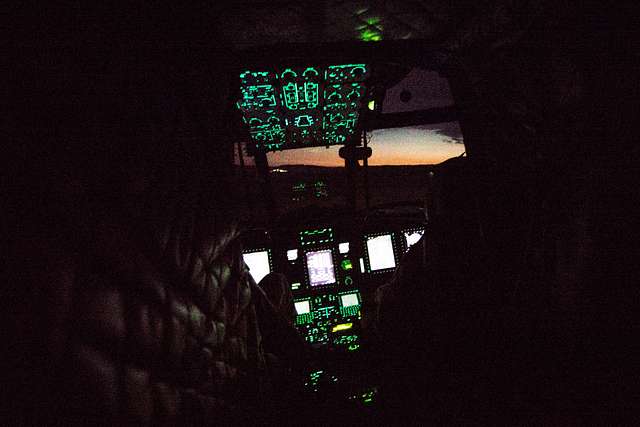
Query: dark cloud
[[451, 130]]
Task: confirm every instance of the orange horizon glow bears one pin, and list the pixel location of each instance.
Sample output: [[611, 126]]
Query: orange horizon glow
[[391, 147], [336, 161]]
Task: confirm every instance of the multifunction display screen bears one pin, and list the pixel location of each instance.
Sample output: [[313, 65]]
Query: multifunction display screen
[[258, 263], [302, 307], [349, 300], [320, 268], [380, 251], [412, 237]]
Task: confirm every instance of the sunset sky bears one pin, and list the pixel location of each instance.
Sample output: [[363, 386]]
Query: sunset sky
[[418, 145], [415, 145]]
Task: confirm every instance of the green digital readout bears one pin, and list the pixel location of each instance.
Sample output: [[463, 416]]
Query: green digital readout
[[302, 106], [366, 396], [315, 237]]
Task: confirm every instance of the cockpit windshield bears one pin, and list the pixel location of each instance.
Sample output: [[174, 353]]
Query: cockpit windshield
[[289, 115]]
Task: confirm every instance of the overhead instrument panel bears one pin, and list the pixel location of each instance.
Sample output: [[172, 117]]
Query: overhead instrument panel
[[302, 106]]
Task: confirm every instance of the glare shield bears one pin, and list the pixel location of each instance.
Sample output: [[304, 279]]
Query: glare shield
[[292, 254], [302, 307]]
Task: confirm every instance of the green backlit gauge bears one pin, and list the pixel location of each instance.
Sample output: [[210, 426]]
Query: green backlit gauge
[[346, 73], [288, 74], [303, 121], [311, 73], [295, 107]]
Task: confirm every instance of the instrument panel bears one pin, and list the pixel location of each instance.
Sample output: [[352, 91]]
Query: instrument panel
[[332, 270], [302, 106]]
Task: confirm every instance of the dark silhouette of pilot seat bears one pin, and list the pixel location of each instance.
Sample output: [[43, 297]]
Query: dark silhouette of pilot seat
[[438, 319]]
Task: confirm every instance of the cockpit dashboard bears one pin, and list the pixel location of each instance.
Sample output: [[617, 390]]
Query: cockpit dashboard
[[333, 265]]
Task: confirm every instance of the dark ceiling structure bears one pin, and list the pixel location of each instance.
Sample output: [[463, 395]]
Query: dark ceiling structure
[[265, 23]]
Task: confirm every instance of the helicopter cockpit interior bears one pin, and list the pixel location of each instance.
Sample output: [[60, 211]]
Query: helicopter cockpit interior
[[325, 212], [335, 242]]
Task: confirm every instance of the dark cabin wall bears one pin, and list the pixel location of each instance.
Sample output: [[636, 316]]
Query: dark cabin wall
[[551, 103], [120, 239]]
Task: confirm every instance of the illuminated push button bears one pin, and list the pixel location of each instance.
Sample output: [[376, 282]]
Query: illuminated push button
[[302, 307], [342, 327], [292, 254], [343, 248], [346, 264]]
